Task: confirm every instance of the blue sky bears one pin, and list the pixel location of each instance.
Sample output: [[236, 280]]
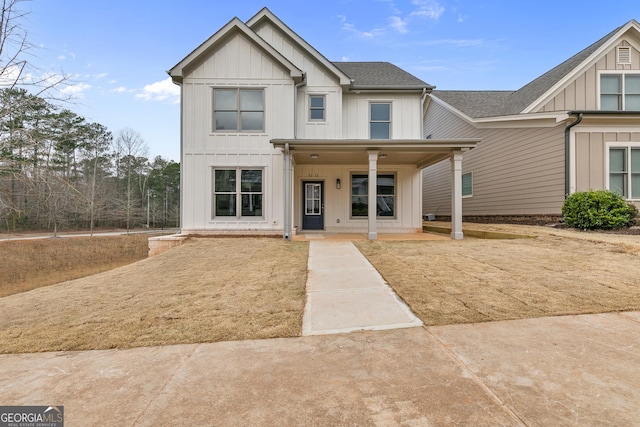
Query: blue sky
[[118, 51]]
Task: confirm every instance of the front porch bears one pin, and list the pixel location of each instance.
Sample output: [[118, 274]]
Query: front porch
[[327, 184]]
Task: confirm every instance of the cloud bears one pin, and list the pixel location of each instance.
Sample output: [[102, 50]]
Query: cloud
[[121, 89], [164, 90], [347, 26], [75, 90], [398, 24], [454, 42], [429, 9]]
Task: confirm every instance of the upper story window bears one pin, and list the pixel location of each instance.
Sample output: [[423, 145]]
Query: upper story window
[[238, 110], [317, 108], [620, 92], [380, 120]]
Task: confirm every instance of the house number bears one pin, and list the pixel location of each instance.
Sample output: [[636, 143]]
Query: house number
[[312, 175]]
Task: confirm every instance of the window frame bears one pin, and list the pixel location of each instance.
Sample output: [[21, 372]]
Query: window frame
[[238, 109], [238, 193], [312, 108], [389, 121], [628, 173], [366, 196], [623, 94], [470, 174]]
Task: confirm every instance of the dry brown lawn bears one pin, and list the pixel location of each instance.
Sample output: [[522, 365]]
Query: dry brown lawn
[[212, 289], [30, 264], [557, 273], [203, 291]]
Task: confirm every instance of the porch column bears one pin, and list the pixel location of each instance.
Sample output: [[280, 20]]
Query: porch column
[[456, 195], [373, 200], [288, 194]]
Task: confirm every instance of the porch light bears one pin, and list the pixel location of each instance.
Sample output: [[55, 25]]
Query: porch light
[[383, 156], [338, 184], [314, 156]]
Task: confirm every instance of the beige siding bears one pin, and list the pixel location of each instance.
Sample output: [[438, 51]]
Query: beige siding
[[582, 92], [515, 171], [590, 156], [406, 115]]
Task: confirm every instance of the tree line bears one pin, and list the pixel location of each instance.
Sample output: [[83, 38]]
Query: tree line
[[61, 171]]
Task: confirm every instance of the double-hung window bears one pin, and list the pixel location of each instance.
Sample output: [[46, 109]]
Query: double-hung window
[[619, 92], [624, 170], [380, 120], [385, 195], [237, 193], [238, 110], [317, 108]]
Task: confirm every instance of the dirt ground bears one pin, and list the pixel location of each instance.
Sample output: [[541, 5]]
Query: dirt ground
[[210, 290]]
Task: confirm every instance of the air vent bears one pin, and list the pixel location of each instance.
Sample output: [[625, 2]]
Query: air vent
[[624, 55]]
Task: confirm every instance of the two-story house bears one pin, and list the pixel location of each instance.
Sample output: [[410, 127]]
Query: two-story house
[[276, 138], [575, 128]]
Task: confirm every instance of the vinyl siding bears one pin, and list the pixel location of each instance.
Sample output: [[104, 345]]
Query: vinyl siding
[[582, 93], [405, 115], [516, 171]]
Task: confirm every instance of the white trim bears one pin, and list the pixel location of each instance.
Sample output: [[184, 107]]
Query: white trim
[[462, 179], [390, 103], [622, 83], [613, 40], [238, 217], [620, 144]]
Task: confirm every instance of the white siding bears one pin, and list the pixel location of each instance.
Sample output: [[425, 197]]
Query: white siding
[[406, 115], [338, 201]]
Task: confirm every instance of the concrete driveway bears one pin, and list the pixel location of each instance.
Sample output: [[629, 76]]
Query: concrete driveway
[[569, 371]]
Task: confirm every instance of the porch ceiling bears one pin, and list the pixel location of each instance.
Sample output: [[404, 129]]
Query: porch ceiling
[[418, 152]]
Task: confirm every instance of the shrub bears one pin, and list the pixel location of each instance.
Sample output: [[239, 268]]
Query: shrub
[[602, 209]]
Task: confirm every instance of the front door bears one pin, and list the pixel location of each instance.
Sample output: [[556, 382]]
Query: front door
[[313, 205]]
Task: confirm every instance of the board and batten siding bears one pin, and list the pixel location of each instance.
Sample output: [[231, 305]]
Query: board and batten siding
[[337, 202], [236, 63], [591, 156], [582, 92], [406, 115], [516, 171]]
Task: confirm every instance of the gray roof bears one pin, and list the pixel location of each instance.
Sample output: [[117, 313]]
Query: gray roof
[[380, 75], [477, 104]]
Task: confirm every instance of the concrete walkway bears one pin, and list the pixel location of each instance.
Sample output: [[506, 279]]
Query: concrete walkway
[[554, 371], [346, 293]]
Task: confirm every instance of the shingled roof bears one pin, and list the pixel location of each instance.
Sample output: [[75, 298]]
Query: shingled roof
[[479, 104], [380, 75]]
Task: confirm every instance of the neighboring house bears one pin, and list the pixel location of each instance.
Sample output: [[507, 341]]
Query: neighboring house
[[575, 128], [276, 138]]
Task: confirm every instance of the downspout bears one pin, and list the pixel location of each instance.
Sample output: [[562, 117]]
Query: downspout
[[422, 98], [567, 149], [288, 193], [303, 82]]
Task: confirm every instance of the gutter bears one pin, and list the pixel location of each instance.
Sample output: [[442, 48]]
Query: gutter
[[567, 147], [422, 98]]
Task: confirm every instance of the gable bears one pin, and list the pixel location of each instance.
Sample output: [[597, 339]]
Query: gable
[[236, 57], [582, 92], [277, 34], [233, 28]]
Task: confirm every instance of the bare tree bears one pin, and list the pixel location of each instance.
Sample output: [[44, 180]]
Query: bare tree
[[131, 157], [15, 69]]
